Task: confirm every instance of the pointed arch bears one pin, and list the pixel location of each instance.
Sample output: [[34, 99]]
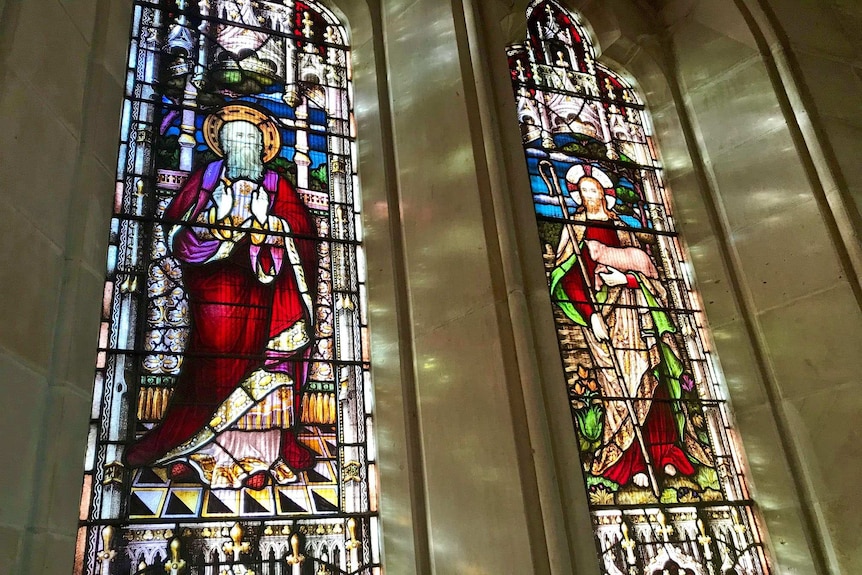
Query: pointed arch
[[232, 407], [662, 469]]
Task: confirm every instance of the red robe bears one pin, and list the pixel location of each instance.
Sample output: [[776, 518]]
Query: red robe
[[660, 431], [234, 315]]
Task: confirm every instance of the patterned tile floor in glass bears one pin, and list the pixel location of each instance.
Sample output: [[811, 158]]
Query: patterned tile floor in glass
[[315, 492]]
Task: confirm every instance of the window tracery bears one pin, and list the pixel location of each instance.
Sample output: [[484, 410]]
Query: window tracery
[[231, 427], [664, 477]]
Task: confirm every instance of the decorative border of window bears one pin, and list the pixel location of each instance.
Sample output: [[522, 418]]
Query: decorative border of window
[[234, 306], [663, 472]]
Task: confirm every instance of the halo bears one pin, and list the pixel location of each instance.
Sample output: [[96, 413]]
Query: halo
[[231, 112], [580, 171]]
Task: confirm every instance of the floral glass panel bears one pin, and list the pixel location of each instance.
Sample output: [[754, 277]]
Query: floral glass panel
[[231, 426], [666, 490]]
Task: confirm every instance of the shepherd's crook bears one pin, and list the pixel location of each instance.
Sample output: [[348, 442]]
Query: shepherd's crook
[[553, 183]]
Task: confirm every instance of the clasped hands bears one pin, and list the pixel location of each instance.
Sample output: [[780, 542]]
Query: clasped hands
[[224, 197]]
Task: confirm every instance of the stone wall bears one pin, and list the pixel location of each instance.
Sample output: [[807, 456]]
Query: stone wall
[[62, 67], [778, 234], [478, 474]]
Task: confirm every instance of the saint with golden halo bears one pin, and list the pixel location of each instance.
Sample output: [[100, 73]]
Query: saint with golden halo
[[246, 245], [605, 280]]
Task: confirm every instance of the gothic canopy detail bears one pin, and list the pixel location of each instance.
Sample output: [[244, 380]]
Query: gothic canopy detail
[[651, 421]]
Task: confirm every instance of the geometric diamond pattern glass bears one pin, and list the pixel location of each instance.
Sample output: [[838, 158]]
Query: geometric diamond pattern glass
[[231, 428]]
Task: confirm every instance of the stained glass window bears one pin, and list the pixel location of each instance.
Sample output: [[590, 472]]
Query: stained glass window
[[665, 485], [231, 428]]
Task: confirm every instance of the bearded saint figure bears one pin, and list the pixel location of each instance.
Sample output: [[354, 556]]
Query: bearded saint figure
[[245, 242], [615, 294]]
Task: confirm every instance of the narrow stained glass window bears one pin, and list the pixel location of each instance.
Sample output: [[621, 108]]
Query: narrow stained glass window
[[231, 422], [665, 485]]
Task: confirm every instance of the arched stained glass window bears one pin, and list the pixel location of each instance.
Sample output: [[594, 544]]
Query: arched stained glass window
[[231, 427], [663, 473]]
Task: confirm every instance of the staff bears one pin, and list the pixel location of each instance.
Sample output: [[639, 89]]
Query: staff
[[552, 182]]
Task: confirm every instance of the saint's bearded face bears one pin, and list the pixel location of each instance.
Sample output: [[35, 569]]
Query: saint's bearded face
[[592, 195], [242, 143]]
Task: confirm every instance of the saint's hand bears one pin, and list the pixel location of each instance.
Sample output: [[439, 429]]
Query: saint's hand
[[614, 277], [260, 205], [223, 198], [599, 327]]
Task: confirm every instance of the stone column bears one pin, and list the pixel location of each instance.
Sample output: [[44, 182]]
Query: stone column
[[63, 71], [478, 518]]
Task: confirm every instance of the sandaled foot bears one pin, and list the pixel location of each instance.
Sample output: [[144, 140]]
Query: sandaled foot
[[256, 481], [641, 480], [182, 472]]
